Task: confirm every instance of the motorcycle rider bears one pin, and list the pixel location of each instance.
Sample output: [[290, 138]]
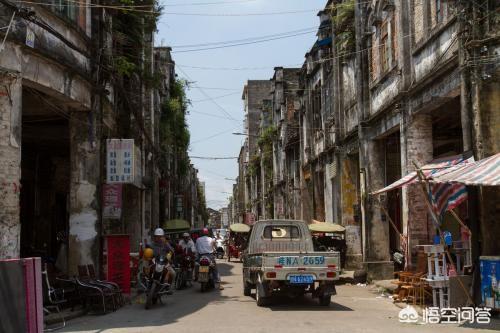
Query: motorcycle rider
[[187, 243], [205, 246], [161, 247]]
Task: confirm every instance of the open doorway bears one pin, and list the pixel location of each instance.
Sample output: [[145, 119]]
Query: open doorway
[[45, 178], [392, 174]]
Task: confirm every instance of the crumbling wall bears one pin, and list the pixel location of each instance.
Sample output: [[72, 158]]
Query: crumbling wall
[[84, 191], [10, 164]]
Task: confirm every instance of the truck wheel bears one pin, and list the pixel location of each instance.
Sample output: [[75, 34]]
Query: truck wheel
[[261, 300], [247, 290], [325, 300]]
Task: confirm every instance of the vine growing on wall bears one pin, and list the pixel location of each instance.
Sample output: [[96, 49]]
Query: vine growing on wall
[[174, 131], [343, 23], [266, 140]]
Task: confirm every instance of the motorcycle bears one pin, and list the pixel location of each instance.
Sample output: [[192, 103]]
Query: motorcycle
[[184, 271], [220, 249], [206, 272], [153, 280]]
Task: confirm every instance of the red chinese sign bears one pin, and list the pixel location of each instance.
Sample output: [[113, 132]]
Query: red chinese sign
[[119, 261], [112, 201]]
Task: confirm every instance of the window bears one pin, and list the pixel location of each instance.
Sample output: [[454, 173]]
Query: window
[[281, 232], [72, 10], [385, 47], [316, 108], [439, 11]]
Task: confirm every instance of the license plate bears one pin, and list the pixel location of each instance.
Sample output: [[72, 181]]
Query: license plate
[[204, 269], [301, 279], [304, 261]]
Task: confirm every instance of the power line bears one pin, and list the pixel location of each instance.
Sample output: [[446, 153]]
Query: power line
[[244, 14], [216, 88], [244, 40], [207, 3], [213, 158], [216, 97], [211, 115], [215, 135], [240, 44], [210, 98]]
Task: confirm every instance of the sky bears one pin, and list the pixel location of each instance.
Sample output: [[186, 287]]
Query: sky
[[217, 109]]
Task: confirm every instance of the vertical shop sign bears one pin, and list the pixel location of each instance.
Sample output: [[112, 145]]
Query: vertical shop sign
[[120, 161], [112, 201]]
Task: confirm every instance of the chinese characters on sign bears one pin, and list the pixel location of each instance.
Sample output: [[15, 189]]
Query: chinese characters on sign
[[112, 201], [120, 161]]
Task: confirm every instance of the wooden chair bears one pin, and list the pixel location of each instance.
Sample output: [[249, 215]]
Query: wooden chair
[[408, 282]]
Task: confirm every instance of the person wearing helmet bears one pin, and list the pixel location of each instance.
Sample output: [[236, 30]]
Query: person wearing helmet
[[187, 243], [161, 247], [205, 245]]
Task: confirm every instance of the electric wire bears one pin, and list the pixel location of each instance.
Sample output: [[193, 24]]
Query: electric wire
[[241, 44], [244, 39]]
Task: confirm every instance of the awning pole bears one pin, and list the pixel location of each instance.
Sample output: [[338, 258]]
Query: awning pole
[[404, 239], [425, 189]]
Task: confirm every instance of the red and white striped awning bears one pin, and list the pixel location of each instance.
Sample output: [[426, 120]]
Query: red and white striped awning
[[485, 172], [429, 170]]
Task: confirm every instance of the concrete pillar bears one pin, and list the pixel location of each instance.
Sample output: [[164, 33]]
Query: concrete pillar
[[416, 147], [10, 164], [375, 230], [84, 191]]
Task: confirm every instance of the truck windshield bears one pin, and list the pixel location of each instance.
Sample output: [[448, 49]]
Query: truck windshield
[[281, 232]]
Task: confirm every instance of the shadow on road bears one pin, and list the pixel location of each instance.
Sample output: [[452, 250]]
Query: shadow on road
[[282, 303], [175, 307]]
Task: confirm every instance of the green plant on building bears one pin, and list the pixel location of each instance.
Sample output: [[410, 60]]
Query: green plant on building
[[343, 24], [265, 142]]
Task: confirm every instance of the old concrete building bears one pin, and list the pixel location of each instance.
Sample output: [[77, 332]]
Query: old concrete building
[[255, 95], [286, 143], [315, 124], [70, 80], [388, 87], [50, 141]]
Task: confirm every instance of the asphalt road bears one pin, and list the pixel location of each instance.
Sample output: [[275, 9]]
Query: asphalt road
[[354, 309]]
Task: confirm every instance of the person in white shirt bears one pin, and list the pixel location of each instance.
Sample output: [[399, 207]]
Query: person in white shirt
[[187, 244], [205, 246]]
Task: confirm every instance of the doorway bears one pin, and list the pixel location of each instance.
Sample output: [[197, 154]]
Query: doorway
[[45, 178]]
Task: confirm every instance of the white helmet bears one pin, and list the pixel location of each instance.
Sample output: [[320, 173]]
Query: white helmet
[[159, 232], [185, 234]]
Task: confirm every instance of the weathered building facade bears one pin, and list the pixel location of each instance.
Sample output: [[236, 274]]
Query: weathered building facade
[[70, 80], [388, 87]]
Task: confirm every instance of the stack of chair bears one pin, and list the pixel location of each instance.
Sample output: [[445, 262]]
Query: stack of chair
[[104, 294], [411, 285]]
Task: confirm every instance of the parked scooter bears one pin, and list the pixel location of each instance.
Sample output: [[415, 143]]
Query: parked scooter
[[206, 273], [153, 280]]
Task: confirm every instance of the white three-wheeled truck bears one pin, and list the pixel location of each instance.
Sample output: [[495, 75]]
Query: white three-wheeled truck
[[280, 258]]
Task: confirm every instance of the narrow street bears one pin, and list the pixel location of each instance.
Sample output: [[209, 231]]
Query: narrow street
[[354, 309]]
